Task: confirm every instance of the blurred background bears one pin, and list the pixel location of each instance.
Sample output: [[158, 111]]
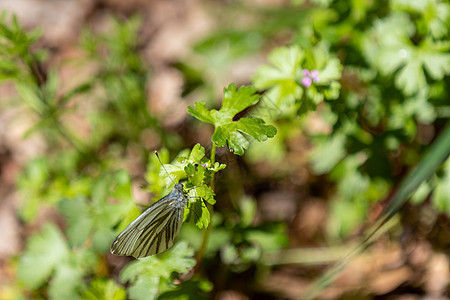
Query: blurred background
[[90, 88]]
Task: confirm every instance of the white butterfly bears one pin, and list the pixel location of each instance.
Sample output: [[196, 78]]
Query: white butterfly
[[155, 229]]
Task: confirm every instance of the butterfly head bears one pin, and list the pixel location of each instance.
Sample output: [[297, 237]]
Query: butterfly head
[[179, 187]]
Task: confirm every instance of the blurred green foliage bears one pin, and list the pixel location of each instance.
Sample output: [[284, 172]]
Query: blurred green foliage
[[373, 72], [150, 276]]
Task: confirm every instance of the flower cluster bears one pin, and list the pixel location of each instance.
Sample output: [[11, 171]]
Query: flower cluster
[[310, 77]]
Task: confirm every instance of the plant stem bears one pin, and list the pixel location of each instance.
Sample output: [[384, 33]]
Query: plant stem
[[206, 232]]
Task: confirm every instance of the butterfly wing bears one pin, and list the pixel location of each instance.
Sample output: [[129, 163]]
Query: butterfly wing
[[153, 231]]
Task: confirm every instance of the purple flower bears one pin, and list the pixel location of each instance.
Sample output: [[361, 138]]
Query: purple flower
[[315, 75], [310, 77], [306, 81]]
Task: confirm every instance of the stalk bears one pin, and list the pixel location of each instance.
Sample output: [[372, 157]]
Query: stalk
[[206, 232]]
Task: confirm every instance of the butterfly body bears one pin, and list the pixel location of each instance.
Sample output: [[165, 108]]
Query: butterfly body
[[155, 229]]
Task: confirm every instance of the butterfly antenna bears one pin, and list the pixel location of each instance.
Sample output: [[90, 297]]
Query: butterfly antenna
[[156, 152]]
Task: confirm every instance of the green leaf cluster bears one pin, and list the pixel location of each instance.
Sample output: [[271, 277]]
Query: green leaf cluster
[[389, 48], [242, 243], [95, 218], [151, 275], [16, 57], [47, 256], [282, 79], [104, 289], [232, 133]]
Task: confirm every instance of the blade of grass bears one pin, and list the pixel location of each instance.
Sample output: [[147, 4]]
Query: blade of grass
[[435, 156]]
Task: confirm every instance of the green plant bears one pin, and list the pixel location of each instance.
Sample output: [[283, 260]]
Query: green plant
[[373, 74]]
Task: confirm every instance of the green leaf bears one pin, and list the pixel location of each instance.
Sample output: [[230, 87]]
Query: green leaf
[[101, 289], [66, 282], [47, 258], [51, 88], [344, 217], [196, 175], [435, 58], [231, 134], [30, 183], [411, 77], [197, 208], [78, 219], [269, 236], [201, 112], [235, 101], [247, 207], [191, 289], [228, 132], [148, 276], [389, 48], [44, 252], [228, 253], [419, 106], [201, 213], [121, 186], [205, 192], [145, 286], [282, 76], [441, 194], [197, 153], [29, 94], [328, 154], [96, 219], [434, 14]]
